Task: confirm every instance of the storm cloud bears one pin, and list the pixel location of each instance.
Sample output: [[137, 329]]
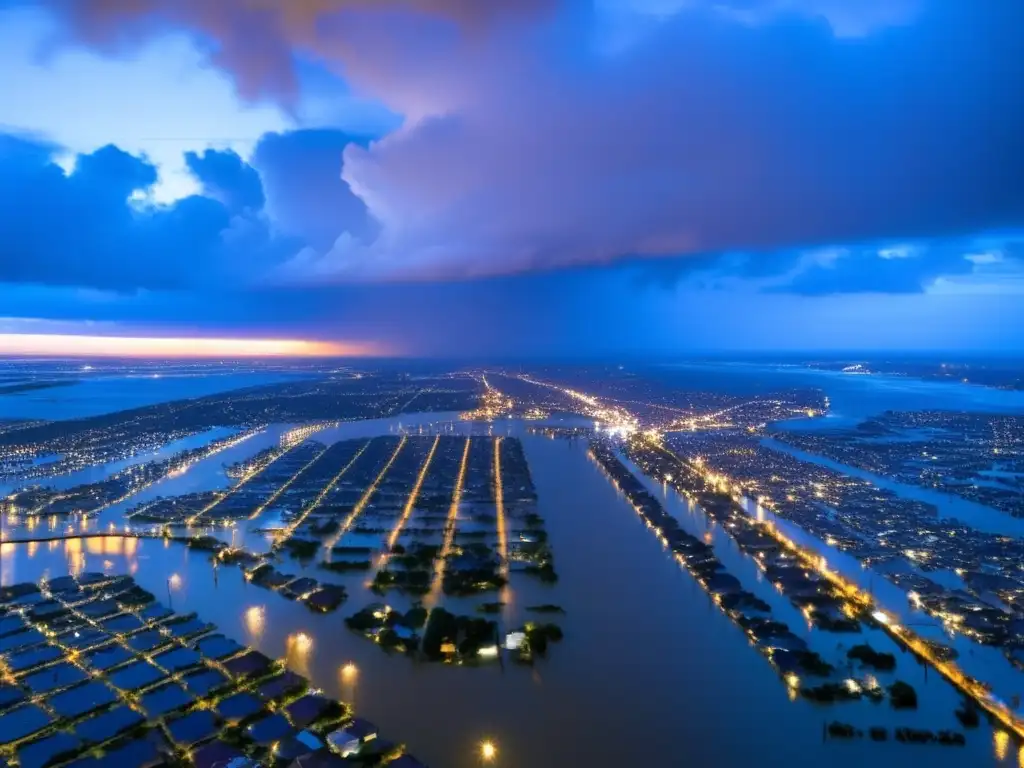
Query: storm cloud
[[725, 125], [92, 226]]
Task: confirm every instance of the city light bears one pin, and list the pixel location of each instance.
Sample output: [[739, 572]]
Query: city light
[[499, 505], [349, 671], [410, 502], [453, 513], [360, 505], [488, 751], [291, 528]]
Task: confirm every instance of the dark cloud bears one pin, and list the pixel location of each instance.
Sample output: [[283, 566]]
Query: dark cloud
[[708, 135], [93, 227], [899, 269], [590, 312], [729, 126], [79, 228], [259, 42], [306, 196], [96, 227], [227, 178], [893, 268]]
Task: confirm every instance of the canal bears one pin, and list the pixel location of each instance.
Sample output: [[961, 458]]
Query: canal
[[970, 513]]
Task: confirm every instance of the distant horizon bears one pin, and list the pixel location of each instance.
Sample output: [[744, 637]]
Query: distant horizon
[[951, 355]]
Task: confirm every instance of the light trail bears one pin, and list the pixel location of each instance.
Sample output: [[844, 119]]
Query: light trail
[[409, 505], [449, 527], [499, 505], [363, 500], [277, 494], [290, 529]]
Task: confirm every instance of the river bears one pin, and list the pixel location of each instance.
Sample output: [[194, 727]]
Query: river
[[968, 512]]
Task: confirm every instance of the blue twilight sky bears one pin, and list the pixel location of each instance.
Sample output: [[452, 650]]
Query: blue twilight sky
[[495, 177]]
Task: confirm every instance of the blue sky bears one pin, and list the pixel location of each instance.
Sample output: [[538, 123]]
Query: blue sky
[[562, 176]]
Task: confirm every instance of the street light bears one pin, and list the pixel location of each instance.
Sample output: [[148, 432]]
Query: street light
[[488, 751]]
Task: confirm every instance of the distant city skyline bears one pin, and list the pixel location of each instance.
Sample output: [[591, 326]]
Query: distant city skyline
[[445, 178]]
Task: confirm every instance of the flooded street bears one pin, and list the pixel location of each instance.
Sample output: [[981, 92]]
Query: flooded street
[[650, 672]]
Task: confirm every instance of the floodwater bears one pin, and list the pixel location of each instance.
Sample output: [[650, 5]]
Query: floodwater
[[207, 475], [977, 516], [852, 397], [986, 663], [937, 698], [98, 472], [93, 395], [650, 671]]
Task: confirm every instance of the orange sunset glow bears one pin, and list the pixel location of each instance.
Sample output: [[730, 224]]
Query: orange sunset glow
[[69, 345]]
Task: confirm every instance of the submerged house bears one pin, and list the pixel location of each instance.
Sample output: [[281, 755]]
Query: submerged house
[[349, 739]]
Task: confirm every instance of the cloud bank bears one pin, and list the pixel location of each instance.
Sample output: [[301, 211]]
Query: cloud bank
[[757, 126]]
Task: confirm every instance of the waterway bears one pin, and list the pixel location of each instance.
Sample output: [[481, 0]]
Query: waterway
[[852, 397], [938, 698], [98, 472], [650, 671], [982, 662], [970, 513]]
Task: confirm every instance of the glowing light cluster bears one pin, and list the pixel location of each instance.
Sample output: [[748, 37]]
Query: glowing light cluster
[[488, 751]]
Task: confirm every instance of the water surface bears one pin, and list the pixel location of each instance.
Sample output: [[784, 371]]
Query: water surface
[[852, 397], [970, 513], [98, 472], [650, 671]]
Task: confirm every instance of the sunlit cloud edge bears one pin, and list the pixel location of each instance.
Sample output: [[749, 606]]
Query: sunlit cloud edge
[[76, 345]]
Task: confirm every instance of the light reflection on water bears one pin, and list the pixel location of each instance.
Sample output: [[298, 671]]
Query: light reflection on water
[[938, 700], [298, 648], [255, 618], [650, 672]]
